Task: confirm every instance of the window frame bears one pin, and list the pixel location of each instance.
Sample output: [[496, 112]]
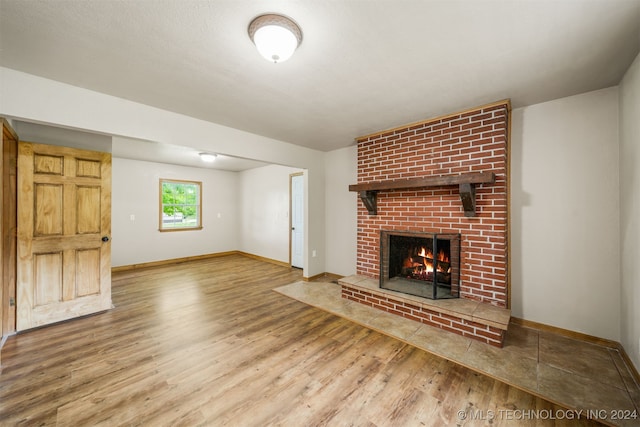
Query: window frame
[[198, 206]]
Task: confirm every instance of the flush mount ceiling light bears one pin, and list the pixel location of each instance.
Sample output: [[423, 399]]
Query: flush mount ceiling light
[[207, 157], [276, 37]]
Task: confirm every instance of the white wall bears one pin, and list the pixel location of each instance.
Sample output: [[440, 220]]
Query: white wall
[[630, 210], [34, 99], [341, 210], [247, 211], [314, 197], [264, 211], [135, 191], [565, 213]]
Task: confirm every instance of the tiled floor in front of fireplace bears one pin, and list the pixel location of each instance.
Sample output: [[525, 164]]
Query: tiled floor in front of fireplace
[[571, 373]]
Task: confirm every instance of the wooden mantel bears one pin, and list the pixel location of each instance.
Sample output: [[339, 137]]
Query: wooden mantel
[[467, 183]]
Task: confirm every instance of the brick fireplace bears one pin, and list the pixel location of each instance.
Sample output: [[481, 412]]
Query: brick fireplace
[[442, 176]]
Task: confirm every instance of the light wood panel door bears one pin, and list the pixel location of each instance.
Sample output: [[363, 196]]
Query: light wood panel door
[[64, 228]]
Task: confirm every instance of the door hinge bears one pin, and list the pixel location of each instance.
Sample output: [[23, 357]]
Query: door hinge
[[12, 301]]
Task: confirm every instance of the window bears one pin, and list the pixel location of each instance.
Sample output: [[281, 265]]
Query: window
[[180, 205]]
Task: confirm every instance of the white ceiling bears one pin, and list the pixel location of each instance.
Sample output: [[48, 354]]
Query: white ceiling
[[363, 66]]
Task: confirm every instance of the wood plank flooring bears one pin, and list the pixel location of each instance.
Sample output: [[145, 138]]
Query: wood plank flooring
[[208, 343]]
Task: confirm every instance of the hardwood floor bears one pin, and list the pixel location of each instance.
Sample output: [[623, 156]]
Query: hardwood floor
[[209, 343]]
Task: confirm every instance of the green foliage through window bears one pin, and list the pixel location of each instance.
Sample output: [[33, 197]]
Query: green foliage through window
[[180, 204]]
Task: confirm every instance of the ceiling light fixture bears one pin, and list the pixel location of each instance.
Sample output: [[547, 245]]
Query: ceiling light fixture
[[276, 37], [207, 157]]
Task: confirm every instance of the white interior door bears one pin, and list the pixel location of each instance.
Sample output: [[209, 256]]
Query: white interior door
[[297, 220]]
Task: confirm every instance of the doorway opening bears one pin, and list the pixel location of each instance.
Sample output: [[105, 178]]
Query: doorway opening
[[296, 220]]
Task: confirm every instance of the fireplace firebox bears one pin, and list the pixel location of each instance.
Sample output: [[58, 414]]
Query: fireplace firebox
[[421, 264]]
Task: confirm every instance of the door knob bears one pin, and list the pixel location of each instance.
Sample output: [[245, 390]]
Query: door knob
[[105, 238]]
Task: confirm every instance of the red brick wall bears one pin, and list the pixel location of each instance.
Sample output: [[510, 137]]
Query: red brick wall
[[472, 141]]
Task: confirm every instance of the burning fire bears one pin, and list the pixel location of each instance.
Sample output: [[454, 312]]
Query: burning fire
[[422, 264], [427, 255]]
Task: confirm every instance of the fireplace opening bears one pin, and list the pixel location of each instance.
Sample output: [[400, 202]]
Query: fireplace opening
[[421, 264]]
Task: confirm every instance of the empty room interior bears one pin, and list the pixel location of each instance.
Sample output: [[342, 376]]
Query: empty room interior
[[379, 213]]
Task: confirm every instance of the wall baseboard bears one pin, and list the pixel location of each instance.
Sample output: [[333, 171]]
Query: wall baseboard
[[170, 261], [564, 332], [120, 268], [581, 337], [330, 276], [261, 258]]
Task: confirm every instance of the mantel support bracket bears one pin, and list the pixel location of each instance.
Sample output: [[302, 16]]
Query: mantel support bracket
[[370, 201], [368, 192], [468, 198]]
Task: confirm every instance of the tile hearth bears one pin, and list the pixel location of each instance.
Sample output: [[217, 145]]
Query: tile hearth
[[567, 372], [462, 316]]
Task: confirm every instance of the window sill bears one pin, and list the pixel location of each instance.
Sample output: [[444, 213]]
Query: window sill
[[163, 230]]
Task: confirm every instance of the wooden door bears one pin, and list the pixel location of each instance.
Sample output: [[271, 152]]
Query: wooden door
[[8, 226], [64, 227]]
